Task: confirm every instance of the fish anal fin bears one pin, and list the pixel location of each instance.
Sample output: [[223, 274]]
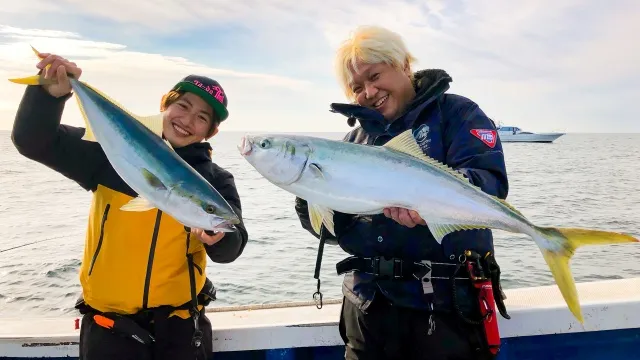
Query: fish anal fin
[[88, 133], [439, 231], [168, 144], [406, 143], [319, 215], [138, 204]]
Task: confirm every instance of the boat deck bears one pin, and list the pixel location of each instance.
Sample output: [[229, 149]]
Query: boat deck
[[540, 324]]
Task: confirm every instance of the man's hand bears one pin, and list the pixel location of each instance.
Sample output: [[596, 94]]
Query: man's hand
[[205, 238], [408, 218]]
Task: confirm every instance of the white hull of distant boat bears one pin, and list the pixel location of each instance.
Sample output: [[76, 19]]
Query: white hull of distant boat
[[515, 134], [543, 138]]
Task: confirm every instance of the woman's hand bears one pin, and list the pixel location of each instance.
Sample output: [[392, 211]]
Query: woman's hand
[[207, 239], [58, 70], [408, 218]]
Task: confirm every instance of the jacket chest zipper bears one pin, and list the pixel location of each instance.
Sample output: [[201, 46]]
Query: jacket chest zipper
[[95, 254], [152, 250]]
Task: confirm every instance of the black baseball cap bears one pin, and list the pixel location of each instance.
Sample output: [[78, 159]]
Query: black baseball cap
[[209, 90]]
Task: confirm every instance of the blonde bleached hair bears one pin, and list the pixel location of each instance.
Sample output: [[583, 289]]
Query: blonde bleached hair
[[371, 45]]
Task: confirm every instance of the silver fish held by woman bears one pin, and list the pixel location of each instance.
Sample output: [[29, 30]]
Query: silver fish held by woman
[[148, 164], [362, 179]]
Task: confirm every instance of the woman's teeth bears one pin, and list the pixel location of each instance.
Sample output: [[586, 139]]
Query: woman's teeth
[[381, 101], [180, 130]]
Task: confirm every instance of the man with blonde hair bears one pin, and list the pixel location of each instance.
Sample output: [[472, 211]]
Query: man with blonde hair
[[399, 281]]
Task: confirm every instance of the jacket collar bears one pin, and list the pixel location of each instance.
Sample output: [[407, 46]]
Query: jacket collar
[[195, 153]]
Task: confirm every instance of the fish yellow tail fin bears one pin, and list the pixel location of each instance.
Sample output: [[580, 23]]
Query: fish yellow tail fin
[[567, 240], [35, 79]]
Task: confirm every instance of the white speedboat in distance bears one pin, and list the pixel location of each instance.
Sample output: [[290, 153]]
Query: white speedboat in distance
[[515, 134]]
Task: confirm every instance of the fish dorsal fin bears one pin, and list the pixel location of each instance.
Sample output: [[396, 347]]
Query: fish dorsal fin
[[152, 122], [406, 143], [505, 203]]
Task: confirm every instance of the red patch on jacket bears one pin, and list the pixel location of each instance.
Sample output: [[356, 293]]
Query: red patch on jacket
[[489, 137]]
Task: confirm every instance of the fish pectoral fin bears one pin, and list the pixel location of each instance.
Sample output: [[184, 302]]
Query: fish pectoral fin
[[138, 204], [316, 170], [153, 180], [439, 231], [319, 215], [406, 143]]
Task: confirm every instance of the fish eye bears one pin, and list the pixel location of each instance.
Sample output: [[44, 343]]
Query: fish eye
[[265, 143], [210, 209]]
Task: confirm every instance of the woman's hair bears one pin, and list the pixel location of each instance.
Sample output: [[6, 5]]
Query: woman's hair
[[371, 45], [169, 98]]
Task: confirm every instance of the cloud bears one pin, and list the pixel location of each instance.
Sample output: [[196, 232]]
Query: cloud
[[138, 79], [541, 65]]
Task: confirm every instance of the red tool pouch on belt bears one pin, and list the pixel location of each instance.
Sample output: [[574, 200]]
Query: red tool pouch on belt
[[486, 303], [486, 281]]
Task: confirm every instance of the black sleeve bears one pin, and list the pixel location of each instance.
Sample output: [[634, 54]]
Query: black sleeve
[[38, 135], [232, 244]]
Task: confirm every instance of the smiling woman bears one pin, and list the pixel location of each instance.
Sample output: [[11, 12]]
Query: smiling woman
[[142, 270]]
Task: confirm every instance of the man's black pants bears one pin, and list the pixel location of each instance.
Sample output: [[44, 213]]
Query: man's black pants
[[390, 332], [173, 341]]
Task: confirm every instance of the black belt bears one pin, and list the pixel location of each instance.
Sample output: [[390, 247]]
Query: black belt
[[395, 268]]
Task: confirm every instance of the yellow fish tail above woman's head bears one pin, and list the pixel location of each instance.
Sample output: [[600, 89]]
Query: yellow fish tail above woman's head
[[35, 79]]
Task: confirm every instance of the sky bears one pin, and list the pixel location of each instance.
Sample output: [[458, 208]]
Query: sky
[[542, 65]]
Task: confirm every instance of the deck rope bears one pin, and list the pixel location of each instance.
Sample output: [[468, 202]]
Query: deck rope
[[270, 306]]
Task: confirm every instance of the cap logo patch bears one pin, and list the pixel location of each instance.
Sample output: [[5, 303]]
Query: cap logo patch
[[215, 91]]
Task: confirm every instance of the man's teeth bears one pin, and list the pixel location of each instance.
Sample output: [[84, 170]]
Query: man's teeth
[[381, 101], [180, 130]]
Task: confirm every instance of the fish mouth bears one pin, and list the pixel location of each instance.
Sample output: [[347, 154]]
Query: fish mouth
[[245, 147]]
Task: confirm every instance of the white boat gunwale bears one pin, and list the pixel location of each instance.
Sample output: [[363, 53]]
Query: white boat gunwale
[[535, 311]]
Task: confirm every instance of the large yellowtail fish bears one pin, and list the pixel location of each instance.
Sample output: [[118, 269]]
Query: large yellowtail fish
[[359, 179], [146, 162]]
